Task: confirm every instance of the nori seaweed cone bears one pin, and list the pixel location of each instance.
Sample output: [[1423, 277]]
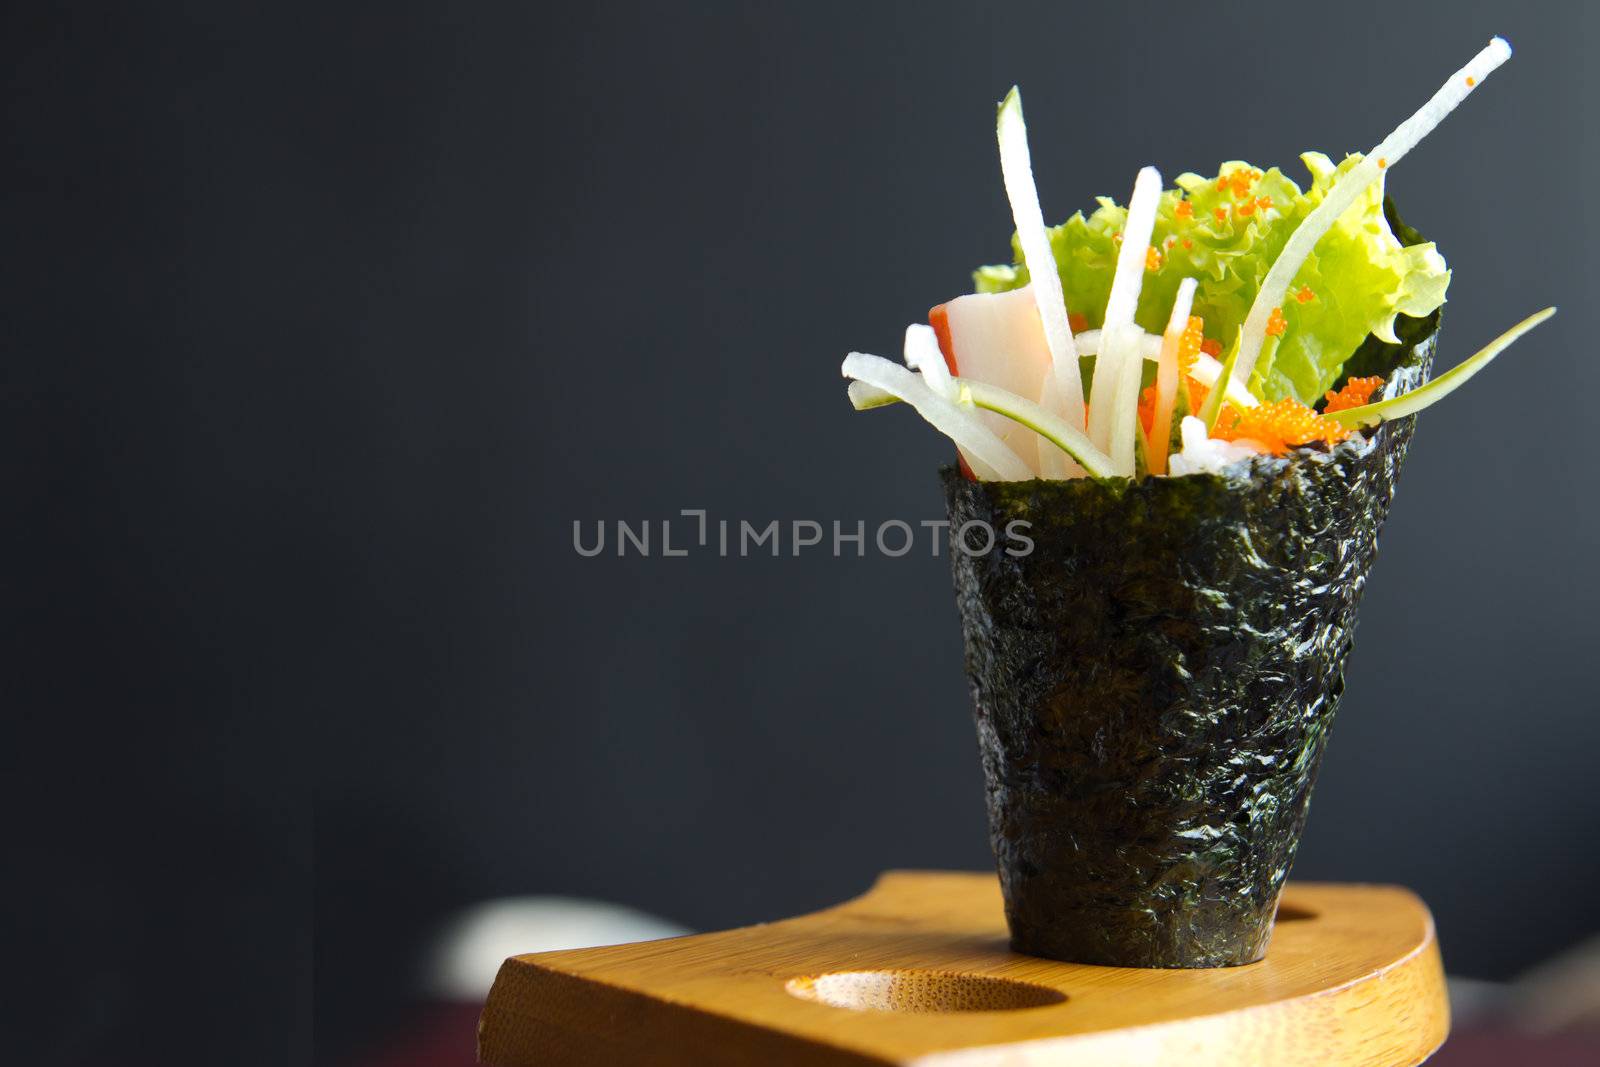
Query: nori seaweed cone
[[1154, 684]]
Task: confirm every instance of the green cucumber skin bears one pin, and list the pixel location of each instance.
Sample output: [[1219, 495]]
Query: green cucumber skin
[[1154, 684]]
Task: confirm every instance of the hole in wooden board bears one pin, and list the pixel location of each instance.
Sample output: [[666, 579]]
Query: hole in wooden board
[[921, 991]]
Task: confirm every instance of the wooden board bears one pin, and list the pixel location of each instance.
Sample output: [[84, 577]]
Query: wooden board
[[918, 971]]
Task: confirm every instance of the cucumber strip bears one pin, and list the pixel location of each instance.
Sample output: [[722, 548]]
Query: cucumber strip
[[1213, 405], [989, 456], [1432, 392], [1053, 462], [877, 392], [1071, 440], [1207, 370]]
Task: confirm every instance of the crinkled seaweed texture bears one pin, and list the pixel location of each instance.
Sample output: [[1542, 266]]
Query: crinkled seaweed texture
[[1154, 684]]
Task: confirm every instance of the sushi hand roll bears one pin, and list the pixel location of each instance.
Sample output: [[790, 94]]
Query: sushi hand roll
[[1197, 406], [1153, 686]]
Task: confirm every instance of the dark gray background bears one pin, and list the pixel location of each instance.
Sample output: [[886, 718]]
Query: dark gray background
[[337, 322]]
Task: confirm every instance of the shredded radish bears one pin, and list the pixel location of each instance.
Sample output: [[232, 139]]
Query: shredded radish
[[1128, 281], [1124, 407], [1388, 152], [1120, 338], [1089, 343], [923, 356], [1016, 168], [989, 457], [1118, 368], [1206, 368], [1167, 378]]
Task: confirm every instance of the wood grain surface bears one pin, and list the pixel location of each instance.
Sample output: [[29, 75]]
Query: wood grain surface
[[918, 971]]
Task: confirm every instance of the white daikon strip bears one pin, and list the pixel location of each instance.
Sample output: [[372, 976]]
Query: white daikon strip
[[1128, 281], [1206, 367], [1016, 168], [1167, 378], [923, 355], [1089, 344], [1349, 188], [988, 456], [1119, 338], [1124, 355]]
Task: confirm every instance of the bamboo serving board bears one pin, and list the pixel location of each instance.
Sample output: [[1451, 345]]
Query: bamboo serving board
[[918, 971]]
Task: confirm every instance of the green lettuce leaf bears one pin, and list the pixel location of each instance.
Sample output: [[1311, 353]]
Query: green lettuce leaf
[[1358, 278]]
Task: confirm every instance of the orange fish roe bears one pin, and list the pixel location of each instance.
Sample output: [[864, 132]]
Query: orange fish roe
[[1471, 81], [1221, 214], [1211, 347], [1245, 210], [1078, 322], [1152, 258], [1188, 243], [1184, 210], [1275, 323], [1189, 344], [1280, 425], [1227, 418], [1356, 392], [1305, 295], [1264, 203], [1382, 163], [1238, 182]]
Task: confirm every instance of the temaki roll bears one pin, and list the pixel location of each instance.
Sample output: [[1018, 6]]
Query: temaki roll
[[1153, 686], [1202, 459]]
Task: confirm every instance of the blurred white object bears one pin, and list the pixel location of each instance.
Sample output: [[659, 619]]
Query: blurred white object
[[1561, 994], [1474, 1001], [471, 946]]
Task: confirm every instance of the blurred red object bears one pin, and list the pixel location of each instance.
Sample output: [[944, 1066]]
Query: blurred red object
[[445, 1035], [1475, 1047], [440, 1035]]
